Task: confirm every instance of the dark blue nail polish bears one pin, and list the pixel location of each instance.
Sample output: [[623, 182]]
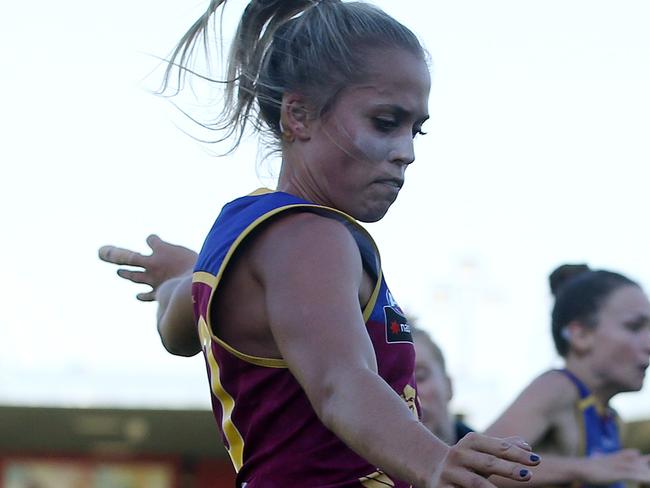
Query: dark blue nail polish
[[534, 458], [523, 473]]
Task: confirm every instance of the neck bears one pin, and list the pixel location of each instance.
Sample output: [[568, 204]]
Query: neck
[[602, 392], [299, 181], [447, 432]]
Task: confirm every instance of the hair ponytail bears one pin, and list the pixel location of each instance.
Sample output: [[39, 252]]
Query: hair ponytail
[[579, 295], [315, 47], [246, 81]]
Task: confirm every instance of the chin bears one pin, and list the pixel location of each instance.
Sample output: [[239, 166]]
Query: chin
[[372, 214], [638, 386], [631, 387], [369, 219]]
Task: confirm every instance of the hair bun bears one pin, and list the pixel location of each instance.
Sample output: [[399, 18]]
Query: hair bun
[[564, 273]]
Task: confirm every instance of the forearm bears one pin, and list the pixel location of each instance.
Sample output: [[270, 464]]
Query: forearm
[[551, 470], [176, 325], [375, 422]]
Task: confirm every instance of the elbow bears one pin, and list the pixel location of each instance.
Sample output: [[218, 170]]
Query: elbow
[[325, 408], [331, 397], [324, 400], [182, 341], [336, 388], [180, 350]]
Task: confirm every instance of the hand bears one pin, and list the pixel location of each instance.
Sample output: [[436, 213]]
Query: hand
[[476, 457], [166, 261], [626, 465]]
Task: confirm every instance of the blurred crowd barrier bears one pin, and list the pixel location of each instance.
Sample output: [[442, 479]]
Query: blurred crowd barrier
[[111, 448]]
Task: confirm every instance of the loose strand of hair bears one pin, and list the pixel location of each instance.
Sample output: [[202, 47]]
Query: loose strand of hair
[[183, 51]]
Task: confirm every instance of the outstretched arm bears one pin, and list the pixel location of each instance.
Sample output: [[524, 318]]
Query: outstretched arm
[[531, 416], [312, 286], [623, 466], [168, 270]]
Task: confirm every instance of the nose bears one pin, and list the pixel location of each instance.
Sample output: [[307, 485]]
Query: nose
[[403, 152]]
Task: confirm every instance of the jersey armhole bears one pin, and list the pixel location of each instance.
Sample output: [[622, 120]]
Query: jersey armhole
[[369, 255]]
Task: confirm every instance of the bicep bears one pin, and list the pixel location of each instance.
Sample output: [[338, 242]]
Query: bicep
[[530, 416], [311, 285]]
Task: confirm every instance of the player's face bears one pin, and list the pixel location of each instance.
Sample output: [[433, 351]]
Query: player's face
[[621, 339], [434, 390], [364, 143]]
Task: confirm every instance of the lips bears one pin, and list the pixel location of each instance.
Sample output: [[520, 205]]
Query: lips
[[392, 182]]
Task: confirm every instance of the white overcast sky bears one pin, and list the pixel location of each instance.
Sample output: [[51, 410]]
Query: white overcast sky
[[537, 154]]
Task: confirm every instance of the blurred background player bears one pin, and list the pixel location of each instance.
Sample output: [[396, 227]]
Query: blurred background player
[[601, 328], [435, 389]]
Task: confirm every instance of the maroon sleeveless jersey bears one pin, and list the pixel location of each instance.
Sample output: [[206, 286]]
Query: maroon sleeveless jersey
[[270, 430]]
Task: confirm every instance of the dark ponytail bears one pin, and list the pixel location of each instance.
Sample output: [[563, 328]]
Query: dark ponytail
[[579, 294]]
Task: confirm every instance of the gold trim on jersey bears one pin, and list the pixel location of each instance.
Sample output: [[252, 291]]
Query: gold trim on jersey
[[213, 281], [204, 278], [584, 403], [376, 480], [580, 407], [260, 191], [234, 438], [372, 301]]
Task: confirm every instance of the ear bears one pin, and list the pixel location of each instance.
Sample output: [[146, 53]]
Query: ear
[[580, 336], [450, 388], [295, 120]]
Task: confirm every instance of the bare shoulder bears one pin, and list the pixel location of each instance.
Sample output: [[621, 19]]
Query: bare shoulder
[[311, 274], [553, 390], [302, 234], [537, 408]]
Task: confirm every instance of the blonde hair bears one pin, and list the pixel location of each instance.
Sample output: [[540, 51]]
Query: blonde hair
[[315, 48]]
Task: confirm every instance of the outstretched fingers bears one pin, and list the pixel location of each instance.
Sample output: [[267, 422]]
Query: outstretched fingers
[[139, 277], [126, 257], [134, 276], [166, 261], [121, 256], [149, 296]]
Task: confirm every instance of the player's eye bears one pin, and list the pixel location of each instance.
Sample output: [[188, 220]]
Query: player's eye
[[385, 124]]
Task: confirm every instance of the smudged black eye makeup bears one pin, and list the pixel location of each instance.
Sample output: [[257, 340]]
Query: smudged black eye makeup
[[385, 124], [637, 323], [388, 124]]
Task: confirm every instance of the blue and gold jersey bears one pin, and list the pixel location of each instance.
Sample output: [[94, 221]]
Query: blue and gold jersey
[[598, 426]]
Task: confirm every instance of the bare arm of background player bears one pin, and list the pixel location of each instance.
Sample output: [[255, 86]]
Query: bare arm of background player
[[533, 414]]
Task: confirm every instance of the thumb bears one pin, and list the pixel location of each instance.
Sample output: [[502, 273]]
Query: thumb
[[154, 241]]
